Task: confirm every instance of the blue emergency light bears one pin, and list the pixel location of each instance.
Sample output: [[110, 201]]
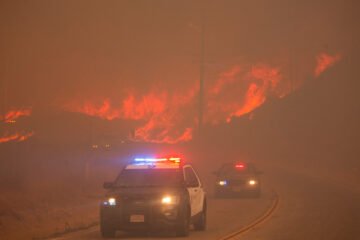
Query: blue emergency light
[[157, 160]]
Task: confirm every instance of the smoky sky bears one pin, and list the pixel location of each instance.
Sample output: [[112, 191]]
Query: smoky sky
[[52, 51]]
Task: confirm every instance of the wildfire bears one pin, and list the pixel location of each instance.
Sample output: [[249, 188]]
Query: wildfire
[[324, 61], [17, 137], [13, 115], [170, 118], [246, 91], [159, 114], [226, 78], [103, 111]]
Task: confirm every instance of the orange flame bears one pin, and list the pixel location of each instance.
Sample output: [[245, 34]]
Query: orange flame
[[11, 116], [160, 111], [149, 105], [169, 124], [104, 111], [226, 78], [232, 101], [148, 133], [257, 94], [324, 61], [171, 118], [17, 137]]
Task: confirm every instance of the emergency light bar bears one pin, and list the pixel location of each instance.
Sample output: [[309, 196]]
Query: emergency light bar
[[150, 159], [239, 166], [155, 160]]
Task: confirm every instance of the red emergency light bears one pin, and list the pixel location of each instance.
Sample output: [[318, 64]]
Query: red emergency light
[[239, 166], [158, 160]]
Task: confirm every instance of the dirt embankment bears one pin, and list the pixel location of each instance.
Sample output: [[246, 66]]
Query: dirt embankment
[[49, 192]]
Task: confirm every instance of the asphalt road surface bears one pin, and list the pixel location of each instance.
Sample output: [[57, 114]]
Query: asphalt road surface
[[310, 207], [224, 216]]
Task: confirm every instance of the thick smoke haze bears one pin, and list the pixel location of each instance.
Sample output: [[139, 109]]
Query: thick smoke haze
[[140, 60], [87, 85], [56, 50]]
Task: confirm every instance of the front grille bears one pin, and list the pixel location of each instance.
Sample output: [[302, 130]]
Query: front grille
[[137, 205], [236, 182]]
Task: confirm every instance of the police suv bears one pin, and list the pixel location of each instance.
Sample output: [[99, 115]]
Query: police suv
[[237, 178], [154, 193]]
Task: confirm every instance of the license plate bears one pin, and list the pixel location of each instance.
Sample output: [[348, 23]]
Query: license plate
[[137, 218], [237, 189]]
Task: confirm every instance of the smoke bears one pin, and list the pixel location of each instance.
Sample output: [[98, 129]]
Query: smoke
[[166, 117], [85, 54]]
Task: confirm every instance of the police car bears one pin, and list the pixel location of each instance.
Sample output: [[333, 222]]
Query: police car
[[236, 178], [154, 193]]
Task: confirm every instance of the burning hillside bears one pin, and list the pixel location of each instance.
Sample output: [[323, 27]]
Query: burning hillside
[[13, 115], [11, 133], [324, 61], [171, 118]]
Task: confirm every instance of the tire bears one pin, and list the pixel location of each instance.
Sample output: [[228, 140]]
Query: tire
[[218, 193], [107, 232], [256, 193], [107, 229], [183, 228], [200, 224]]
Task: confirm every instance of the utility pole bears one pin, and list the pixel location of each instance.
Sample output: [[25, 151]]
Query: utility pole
[[292, 29], [291, 70], [201, 83], [3, 97]]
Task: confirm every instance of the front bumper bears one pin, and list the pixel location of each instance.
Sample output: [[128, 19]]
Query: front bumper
[[237, 187], [140, 216]]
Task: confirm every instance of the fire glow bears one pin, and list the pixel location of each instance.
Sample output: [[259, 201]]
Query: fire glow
[[170, 118], [13, 115], [159, 114], [324, 61], [243, 92], [16, 137]]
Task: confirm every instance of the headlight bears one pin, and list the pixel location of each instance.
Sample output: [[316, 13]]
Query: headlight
[[222, 183], [252, 182], [168, 199], [110, 201]]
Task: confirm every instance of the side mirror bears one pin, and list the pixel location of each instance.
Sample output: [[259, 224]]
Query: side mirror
[[108, 185]]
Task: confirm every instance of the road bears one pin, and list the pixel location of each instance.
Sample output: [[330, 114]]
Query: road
[[224, 217], [310, 207]]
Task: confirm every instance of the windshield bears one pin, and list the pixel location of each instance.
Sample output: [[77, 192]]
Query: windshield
[[230, 170], [148, 177]]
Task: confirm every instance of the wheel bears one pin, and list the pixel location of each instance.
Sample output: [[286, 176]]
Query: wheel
[[200, 224], [107, 232], [256, 193], [107, 228], [184, 224], [218, 193]]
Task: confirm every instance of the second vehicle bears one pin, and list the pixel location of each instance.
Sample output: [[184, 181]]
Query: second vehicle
[[237, 178]]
